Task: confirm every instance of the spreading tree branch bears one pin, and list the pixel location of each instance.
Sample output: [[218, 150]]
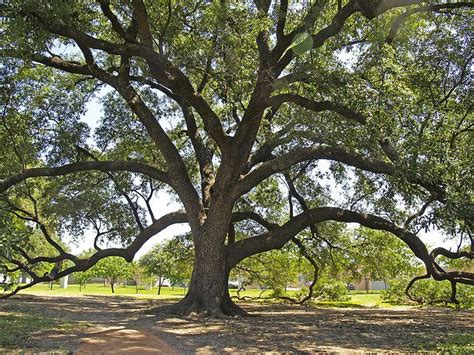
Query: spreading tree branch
[[400, 20], [316, 106], [104, 166], [84, 264], [286, 161]]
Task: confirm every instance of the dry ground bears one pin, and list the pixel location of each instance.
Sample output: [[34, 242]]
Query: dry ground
[[116, 324]]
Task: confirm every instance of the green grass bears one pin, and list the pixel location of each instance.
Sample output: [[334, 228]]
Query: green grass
[[458, 344], [17, 328], [369, 300], [357, 299], [250, 292], [363, 300], [454, 344], [101, 290]]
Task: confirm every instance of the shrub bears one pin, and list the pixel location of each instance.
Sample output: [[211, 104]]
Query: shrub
[[427, 292], [331, 290], [396, 291]]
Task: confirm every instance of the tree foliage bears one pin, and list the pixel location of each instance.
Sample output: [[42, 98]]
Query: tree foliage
[[171, 260], [113, 269]]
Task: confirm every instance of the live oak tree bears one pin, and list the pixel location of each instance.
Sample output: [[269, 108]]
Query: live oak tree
[[231, 107]]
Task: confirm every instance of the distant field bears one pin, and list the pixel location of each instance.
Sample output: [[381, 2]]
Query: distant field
[[357, 299], [101, 290]]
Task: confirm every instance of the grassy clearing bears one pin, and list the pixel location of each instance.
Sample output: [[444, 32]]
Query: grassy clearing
[[358, 301], [101, 290], [454, 344], [17, 328]]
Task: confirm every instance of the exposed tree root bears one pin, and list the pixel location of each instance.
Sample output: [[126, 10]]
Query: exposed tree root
[[190, 306]]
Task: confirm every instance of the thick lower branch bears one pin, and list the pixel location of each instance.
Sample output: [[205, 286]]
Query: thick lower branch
[[105, 166], [85, 264], [278, 237]]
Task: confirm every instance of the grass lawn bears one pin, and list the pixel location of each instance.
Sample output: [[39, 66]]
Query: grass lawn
[[357, 299], [454, 344], [16, 328], [101, 290]]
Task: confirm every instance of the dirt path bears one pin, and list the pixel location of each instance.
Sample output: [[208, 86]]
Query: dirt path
[[108, 325], [119, 340], [126, 325]]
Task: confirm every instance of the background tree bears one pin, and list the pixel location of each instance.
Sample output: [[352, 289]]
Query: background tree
[[380, 256], [231, 108], [171, 259], [157, 263], [84, 276], [275, 270], [181, 256], [113, 269]]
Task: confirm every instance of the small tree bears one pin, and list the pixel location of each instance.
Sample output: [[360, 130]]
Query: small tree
[[112, 269], [83, 277], [140, 275], [157, 263], [170, 260], [272, 270], [381, 256]]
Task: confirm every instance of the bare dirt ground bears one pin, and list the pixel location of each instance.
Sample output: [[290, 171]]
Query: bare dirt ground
[[126, 325]]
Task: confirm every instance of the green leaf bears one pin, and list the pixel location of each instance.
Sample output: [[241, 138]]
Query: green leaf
[[302, 43]]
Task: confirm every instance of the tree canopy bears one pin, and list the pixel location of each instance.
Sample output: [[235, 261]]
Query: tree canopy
[[232, 107]]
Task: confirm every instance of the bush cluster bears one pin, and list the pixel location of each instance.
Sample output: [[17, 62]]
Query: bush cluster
[[427, 291]]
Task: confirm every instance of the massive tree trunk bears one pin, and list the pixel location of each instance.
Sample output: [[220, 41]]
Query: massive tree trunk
[[208, 292]]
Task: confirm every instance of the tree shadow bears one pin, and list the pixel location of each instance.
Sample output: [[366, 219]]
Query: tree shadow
[[291, 328], [277, 327]]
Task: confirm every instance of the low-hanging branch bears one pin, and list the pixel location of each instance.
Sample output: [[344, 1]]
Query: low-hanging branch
[[277, 237], [127, 253]]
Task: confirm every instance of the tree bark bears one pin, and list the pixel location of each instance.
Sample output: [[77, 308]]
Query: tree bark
[[160, 282], [208, 293]]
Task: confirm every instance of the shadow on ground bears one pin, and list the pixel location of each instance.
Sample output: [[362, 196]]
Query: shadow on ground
[[291, 328], [276, 327]]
